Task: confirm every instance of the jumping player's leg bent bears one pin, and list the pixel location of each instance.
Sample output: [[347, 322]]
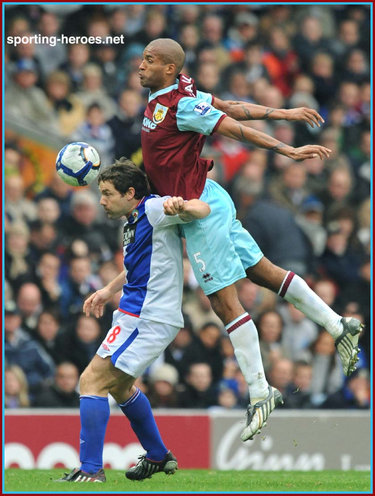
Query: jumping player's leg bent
[[344, 330], [217, 267]]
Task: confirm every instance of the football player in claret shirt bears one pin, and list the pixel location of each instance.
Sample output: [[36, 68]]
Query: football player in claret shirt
[[147, 320], [177, 119]]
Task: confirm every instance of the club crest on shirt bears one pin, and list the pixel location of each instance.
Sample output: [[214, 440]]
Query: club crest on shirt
[[159, 113], [203, 108]]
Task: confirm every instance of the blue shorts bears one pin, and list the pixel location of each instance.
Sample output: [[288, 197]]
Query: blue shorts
[[218, 247]]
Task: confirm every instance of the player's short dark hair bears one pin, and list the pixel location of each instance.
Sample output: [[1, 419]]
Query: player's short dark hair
[[124, 174]]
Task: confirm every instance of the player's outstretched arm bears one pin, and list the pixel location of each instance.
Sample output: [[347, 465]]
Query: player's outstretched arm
[[186, 210], [233, 129], [245, 111], [95, 303]]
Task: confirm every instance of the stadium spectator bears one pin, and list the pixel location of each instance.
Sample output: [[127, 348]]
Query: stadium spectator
[[77, 286], [356, 393], [281, 374], [17, 264], [59, 191], [226, 398], [175, 352], [199, 391], [298, 392], [270, 326], [50, 335], [78, 57], [309, 41], [162, 387], [205, 348], [81, 341], [281, 61], [29, 303], [310, 220], [62, 393], [93, 91], [327, 377], [212, 37], [16, 393], [44, 237], [17, 206], [95, 131], [189, 39], [290, 190], [84, 223], [267, 221], [68, 110], [46, 277], [125, 125], [49, 55], [48, 210], [298, 333], [20, 349], [27, 103]]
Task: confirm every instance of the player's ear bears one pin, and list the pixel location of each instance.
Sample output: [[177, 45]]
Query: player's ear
[[171, 69], [130, 193]]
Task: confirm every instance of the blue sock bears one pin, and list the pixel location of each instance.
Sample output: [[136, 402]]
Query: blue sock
[[94, 412], [138, 410]]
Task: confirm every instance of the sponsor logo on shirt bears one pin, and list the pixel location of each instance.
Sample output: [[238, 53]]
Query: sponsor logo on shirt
[[159, 113], [203, 108], [129, 234], [148, 124]]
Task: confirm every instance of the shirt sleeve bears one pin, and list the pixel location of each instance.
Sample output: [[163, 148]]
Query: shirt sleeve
[[197, 114], [155, 213]]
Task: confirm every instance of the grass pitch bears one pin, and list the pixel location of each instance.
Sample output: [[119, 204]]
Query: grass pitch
[[195, 481]]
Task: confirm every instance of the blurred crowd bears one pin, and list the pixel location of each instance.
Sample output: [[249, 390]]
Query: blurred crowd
[[313, 217]]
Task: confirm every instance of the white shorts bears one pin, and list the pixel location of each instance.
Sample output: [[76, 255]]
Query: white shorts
[[134, 343]]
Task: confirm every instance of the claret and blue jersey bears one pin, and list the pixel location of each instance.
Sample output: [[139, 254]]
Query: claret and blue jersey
[[153, 264], [176, 122]]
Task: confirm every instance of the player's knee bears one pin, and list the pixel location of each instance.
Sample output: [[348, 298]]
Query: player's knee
[[226, 305]]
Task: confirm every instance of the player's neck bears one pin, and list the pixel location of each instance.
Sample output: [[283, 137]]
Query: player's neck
[[164, 85]]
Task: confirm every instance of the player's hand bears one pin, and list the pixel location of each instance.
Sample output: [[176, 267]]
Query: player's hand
[[174, 205], [95, 303], [304, 114], [309, 151]]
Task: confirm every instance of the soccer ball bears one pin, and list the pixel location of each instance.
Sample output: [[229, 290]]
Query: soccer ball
[[78, 163]]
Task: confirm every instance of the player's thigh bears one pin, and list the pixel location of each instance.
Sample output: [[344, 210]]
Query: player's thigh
[[210, 248], [245, 245], [134, 343]]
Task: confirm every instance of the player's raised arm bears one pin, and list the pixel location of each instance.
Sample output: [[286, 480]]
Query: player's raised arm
[[245, 111], [233, 129], [186, 210]]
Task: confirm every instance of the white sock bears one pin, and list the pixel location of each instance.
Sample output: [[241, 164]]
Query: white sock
[[244, 337], [296, 291]]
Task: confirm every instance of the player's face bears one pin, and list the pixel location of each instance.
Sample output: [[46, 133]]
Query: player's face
[[152, 69], [114, 203]]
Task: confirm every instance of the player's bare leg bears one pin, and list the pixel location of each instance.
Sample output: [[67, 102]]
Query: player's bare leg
[[294, 289], [244, 337]]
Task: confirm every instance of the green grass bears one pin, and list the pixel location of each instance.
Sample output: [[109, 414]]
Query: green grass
[[196, 481]]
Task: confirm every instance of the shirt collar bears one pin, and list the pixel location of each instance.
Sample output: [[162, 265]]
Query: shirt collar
[[162, 91]]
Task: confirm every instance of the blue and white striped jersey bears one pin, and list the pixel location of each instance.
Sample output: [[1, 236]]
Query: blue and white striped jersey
[[153, 264]]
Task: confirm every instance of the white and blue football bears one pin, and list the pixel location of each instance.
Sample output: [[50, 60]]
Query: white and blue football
[[78, 163]]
